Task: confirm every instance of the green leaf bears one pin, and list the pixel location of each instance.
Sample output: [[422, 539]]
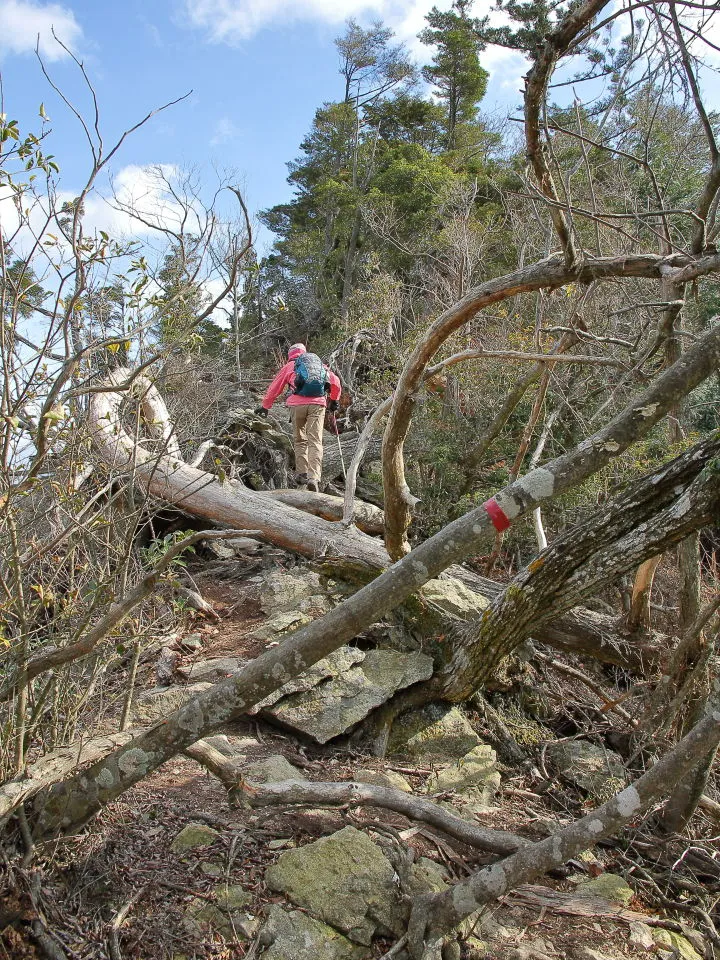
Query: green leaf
[[42, 112]]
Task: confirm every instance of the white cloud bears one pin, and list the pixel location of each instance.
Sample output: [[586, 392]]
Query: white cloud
[[232, 21], [24, 24], [225, 130], [151, 192]]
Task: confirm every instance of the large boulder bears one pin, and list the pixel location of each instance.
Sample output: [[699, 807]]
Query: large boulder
[[335, 706], [273, 769], [450, 597], [434, 732], [210, 671], [296, 936], [334, 664], [473, 779], [156, 704], [598, 771], [345, 880]]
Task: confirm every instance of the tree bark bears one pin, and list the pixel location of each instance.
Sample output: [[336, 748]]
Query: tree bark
[[433, 917], [547, 274], [72, 803], [226, 503], [657, 511]]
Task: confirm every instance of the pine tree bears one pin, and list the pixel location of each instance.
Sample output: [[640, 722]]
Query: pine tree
[[458, 79]]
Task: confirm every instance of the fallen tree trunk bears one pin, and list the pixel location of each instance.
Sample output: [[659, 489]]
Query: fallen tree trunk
[[72, 803], [435, 916], [306, 793], [366, 516], [657, 511], [202, 494]]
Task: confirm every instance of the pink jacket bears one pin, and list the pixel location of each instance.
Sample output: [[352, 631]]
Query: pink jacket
[[286, 378]]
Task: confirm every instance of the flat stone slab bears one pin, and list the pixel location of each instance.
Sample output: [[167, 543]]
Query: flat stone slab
[[195, 836], [346, 881], [336, 663], [333, 707], [274, 769], [210, 671], [435, 732], [599, 771], [296, 936], [153, 705]]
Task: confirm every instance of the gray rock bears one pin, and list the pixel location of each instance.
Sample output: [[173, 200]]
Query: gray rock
[[282, 592], [474, 780], [609, 886], [192, 642], [640, 936], [274, 769], [233, 747], [296, 936], [590, 953], [333, 707], [156, 704], [278, 625], [345, 880], [435, 732], [166, 667], [383, 778], [598, 771], [453, 598], [210, 671], [337, 662], [227, 916], [242, 545], [195, 836], [677, 946], [478, 768], [426, 876]]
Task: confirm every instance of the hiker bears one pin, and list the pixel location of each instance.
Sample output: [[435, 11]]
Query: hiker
[[310, 381]]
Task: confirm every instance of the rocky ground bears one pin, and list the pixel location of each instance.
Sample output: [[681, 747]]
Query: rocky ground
[[179, 868]]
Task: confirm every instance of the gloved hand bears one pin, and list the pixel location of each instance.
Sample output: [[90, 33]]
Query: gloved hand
[[261, 412], [333, 406]]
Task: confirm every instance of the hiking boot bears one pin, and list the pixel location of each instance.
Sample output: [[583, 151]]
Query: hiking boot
[[301, 479], [312, 486]]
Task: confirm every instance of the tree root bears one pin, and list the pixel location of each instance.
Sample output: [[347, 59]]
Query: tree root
[[302, 792]]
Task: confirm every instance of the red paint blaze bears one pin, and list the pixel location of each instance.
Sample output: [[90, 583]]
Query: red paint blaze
[[499, 520]]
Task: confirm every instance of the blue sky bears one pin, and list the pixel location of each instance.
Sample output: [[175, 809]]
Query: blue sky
[[258, 69]]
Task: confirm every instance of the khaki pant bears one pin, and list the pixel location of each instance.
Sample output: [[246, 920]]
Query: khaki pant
[[309, 419]]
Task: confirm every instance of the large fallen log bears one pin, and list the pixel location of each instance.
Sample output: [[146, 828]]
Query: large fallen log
[[166, 476], [366, 516], [282, 520]]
